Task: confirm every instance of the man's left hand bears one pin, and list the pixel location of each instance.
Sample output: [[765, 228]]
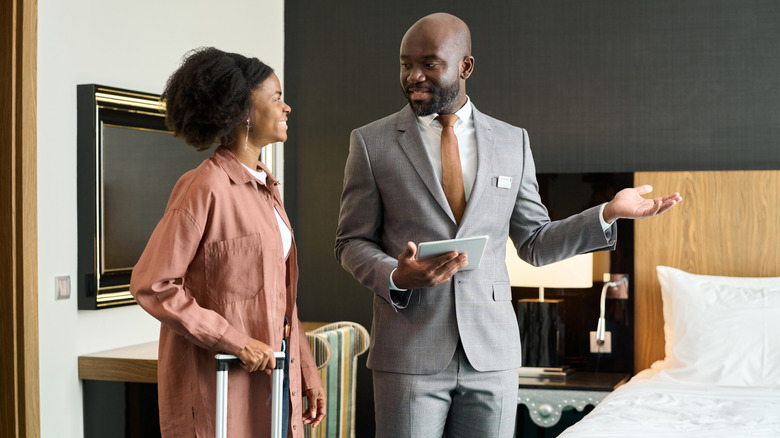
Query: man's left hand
[[629, 204]]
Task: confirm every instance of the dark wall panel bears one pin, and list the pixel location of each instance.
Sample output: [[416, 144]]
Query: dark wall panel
[[626, 86], [601, 86]]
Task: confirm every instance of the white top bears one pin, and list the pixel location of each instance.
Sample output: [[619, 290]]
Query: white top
[[283, 230]]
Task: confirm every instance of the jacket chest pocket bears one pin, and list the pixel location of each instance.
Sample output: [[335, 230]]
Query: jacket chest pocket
[[234, 269]]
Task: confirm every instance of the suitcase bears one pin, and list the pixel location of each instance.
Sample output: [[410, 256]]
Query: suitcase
[[277, 377]]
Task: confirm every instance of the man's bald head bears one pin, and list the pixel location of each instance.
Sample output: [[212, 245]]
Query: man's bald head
[[435, 63], [445, 28]]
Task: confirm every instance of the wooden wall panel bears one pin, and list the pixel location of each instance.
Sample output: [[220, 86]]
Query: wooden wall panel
[[19, 391], [727, 224]]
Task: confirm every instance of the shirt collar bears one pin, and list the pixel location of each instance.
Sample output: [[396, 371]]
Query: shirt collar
[[235, 169], [464, 114], [259, 174]]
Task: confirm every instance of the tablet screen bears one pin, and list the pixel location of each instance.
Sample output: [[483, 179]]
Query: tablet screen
[[473, 246]]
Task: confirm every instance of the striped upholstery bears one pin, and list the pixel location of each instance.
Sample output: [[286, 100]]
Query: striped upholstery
[[347, 341], [320, 349]]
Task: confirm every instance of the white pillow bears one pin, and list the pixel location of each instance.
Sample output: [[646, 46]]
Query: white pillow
[[721, 330]]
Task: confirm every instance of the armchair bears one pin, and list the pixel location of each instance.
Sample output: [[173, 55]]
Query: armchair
[[347, 340]]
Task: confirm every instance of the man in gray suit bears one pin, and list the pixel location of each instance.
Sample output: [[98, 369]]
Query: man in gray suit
[[445, 344]]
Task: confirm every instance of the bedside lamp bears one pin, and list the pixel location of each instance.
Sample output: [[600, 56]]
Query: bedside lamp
[[540, 320]]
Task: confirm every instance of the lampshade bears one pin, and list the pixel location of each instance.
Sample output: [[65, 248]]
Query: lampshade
[[541, 322], [575, 272]]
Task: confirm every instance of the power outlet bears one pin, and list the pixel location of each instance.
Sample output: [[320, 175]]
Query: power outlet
[[606, 347]]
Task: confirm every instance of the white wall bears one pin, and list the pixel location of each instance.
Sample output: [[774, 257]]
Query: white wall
[[126, 44]]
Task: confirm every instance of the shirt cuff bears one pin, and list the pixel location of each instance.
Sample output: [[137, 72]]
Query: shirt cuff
[[604, 225], [392, 285], [232, 341], [399, 298]]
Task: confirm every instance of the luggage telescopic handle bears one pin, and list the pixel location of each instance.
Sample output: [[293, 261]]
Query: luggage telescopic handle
[[276, 396], [224, 360], [223, 364]]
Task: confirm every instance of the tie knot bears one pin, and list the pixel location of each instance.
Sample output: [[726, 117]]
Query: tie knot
[[447, 120]]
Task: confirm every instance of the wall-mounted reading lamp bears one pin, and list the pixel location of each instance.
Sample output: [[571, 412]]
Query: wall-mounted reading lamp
[[601, 327]]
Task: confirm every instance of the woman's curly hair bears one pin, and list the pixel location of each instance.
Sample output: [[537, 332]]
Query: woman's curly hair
[[210, 94]]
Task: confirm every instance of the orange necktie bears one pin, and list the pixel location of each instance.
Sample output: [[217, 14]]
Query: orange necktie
[[451, 172]]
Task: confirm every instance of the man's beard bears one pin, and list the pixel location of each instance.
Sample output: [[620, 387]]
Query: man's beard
[[441, 99]]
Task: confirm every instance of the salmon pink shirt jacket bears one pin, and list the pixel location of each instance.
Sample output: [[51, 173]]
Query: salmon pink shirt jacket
[[215, 275]]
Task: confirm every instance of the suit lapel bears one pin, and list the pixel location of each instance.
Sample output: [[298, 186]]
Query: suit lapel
[[484, 161], [411, 142]]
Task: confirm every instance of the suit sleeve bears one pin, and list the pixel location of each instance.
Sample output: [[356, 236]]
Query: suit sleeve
[[360, 218], [540, 241]]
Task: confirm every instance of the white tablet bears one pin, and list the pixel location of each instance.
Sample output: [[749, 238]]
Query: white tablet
[[473, 246]]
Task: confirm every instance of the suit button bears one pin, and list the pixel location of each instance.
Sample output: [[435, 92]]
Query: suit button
[[295, 427], [292, 360]]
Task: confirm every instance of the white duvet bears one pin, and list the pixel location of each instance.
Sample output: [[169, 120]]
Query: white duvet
[[652, 405]]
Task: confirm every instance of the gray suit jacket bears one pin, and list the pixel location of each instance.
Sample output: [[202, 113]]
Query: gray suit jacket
[[391, 196]]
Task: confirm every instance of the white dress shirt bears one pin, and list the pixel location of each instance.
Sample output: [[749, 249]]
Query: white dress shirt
[[430, 128]]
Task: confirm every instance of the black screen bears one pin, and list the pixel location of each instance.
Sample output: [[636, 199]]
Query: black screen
[[140, 168]]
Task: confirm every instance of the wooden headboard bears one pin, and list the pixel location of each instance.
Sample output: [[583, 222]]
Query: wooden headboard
[[727, 224]]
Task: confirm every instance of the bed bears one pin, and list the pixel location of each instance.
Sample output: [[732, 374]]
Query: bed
[[707, 314]]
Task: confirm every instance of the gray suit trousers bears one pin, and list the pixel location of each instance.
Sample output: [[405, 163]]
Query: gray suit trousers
[[459, 402]]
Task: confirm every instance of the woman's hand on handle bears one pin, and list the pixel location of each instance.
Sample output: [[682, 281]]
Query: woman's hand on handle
[[257, 356]]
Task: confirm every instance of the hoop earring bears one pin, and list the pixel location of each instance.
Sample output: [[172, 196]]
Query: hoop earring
[[246, 140]]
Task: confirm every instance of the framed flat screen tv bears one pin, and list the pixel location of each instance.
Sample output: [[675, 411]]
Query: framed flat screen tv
[[128, 163]]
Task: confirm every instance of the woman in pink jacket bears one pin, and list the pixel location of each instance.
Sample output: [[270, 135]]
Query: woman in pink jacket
[[220, 270]]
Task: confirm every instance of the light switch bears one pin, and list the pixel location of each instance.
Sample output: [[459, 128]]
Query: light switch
[[62, 287]]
